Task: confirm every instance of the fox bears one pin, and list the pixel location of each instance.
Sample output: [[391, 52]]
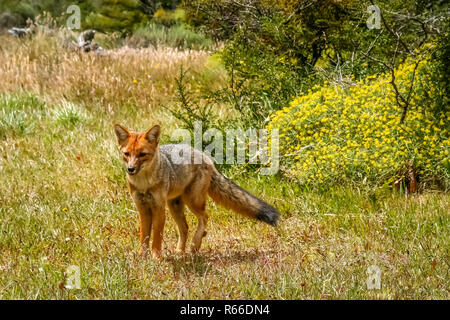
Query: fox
[[168, 175]]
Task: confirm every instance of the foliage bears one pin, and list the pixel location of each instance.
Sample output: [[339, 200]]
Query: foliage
[[260, 80], [441, 78], [177, 36], [168, 18], [21, 10], [113, 15], [106, 15], [335, 134], [274, 51], [190, 109]]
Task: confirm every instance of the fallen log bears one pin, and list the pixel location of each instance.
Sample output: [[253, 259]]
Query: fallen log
[[19, 32], [86, 44]]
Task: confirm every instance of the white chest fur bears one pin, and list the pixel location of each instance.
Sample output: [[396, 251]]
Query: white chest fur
[[141, 181]]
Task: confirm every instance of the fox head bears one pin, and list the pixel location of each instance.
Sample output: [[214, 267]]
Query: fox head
[[138, 149]]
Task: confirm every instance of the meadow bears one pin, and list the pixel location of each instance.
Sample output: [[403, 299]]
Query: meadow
[[64, 200]]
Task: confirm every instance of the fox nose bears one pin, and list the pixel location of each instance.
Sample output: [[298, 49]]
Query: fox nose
[[131, 169]]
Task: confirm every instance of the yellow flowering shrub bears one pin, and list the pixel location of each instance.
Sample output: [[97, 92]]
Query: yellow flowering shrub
[[334, 134]]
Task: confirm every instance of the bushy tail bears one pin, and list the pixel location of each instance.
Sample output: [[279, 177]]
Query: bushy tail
[[228, 194]]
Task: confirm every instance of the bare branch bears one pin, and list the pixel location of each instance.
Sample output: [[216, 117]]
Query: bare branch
[[388, 28]]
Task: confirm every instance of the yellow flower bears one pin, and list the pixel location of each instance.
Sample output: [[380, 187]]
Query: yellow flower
[[357, 128]]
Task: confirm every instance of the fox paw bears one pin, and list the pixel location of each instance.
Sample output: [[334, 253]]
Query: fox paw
[[156, 255]]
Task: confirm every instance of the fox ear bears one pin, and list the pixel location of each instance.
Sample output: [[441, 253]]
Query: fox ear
[[122, 133], [152, 134]]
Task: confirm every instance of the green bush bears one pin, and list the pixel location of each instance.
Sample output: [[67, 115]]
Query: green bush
[[168, 18], [116, 15], [177, 36], [275, 50]]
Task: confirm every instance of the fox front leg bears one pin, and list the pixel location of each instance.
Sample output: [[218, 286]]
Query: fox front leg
[[151, 219], [145, 227], [159, 219]]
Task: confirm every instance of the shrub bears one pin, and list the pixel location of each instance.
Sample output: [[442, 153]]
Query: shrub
[[177, 36], [335, 134], [116, 15], [260, 81], [168, 18], [277, 49]]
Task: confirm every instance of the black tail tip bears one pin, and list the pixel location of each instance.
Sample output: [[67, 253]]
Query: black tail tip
[[268, 214]]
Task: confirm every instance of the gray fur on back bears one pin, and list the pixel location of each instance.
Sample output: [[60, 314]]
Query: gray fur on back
[[182, 164]]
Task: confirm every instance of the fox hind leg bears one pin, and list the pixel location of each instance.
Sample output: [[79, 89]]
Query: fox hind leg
[[199, 210], [195, 198], [176, 208]]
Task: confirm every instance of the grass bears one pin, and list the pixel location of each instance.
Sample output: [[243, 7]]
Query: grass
[[63, 201], [127, 76], [177, 36]]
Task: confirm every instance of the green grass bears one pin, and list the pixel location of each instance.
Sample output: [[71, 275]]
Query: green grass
[[63, 201], [177, 36]]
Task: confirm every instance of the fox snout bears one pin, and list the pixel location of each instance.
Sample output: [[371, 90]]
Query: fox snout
[[133, 163], [132, 169]]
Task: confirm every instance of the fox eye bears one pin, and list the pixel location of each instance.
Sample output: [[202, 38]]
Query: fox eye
[[142, 154], [126, 154]]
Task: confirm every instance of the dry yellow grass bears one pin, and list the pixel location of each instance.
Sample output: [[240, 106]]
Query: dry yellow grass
[[47, 66]]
